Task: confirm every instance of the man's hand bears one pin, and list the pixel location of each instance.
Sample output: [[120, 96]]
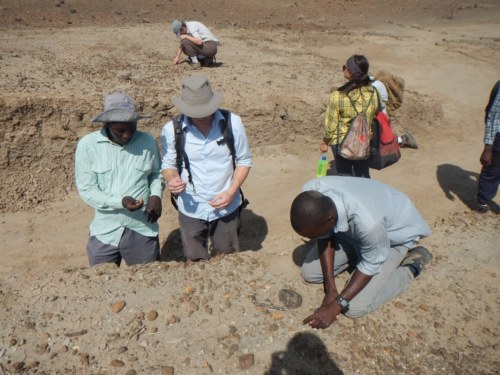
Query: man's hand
[[323, 147], [176, 185], [131, 204], [153, 209], [221, 200], [324, 316], [487, 156], [175, 60]]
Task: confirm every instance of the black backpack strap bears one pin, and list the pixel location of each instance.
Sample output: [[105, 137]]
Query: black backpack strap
[[227, 134], [228, 139], [180, 141]]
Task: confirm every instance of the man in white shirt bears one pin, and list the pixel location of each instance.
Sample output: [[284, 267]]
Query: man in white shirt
[[205, 179], [197, 42]]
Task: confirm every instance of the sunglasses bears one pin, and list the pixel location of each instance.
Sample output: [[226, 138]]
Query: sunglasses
[[344, 67]]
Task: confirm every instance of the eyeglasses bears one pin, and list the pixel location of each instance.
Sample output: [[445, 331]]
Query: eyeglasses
[[344, 67]]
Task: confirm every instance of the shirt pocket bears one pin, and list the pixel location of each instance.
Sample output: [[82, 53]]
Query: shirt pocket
[[103, 175], [143, 169]]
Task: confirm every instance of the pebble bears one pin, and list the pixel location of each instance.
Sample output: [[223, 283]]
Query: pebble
[[167, 370], [193, 306], [117, 363], [131, 372], [12, 342], [290, 299], [18, 366], [118, 306], [277, 315], [121, 349], [399, 305], [246, 361], [152, 315], [424, 307]]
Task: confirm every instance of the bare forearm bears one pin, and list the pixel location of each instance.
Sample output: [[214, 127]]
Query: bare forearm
[[239, 176], [356, 284]]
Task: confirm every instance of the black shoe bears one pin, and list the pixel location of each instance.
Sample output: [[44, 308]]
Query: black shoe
[[416, 259], [482, 208]]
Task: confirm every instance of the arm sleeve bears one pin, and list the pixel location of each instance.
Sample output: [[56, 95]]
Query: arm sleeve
[[155, 179], [374, 250], [168, 153], [87, 183], [241, 144], [331, 118], [492, 118]]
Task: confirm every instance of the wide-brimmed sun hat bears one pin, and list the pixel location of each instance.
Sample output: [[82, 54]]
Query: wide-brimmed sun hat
[[197, 99], [118, 107]]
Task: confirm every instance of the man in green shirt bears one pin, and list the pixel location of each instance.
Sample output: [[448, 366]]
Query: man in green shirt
[[117, 171]]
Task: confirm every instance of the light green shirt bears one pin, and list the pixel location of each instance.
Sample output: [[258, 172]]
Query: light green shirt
[[106, 172]]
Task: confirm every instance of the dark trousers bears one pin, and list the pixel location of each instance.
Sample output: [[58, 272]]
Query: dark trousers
[[489, 178], [134, 248], [223, 234], [346, 167], [207, 49]]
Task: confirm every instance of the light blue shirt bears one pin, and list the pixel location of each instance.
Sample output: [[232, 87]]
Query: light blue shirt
[[376, 215], [211, 165], [106, 172]]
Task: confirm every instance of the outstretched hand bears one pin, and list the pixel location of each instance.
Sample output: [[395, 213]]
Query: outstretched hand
[[131, 204], [324, 316]]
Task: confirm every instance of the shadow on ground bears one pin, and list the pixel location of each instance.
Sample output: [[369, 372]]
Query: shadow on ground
[[305, 354], [458, 183]]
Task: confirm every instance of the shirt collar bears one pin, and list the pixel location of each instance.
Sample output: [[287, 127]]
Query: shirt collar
[[342, 225]]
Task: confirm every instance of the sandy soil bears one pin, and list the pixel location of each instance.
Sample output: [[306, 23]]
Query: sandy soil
[[279, 60]]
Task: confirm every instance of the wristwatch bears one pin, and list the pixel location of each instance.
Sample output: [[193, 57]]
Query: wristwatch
[[343, 303]]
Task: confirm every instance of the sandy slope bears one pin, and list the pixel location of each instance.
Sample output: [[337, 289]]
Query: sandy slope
[[277, 78]]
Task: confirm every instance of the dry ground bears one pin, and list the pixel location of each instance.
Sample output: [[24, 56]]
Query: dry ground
[[279, 60]]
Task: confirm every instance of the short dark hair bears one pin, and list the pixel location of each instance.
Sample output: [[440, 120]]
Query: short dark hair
[[310, 209]]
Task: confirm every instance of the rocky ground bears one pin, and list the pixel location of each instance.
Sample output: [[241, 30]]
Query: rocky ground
[[242, 314]]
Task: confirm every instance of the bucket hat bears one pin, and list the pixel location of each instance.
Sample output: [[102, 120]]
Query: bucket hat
[[197, 99], [118, 107], [176, 27]]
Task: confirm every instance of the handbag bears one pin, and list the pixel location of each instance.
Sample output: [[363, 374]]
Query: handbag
[[384, 145]]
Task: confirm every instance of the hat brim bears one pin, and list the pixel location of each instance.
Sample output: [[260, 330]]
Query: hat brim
[[118, 115], [201, 110]]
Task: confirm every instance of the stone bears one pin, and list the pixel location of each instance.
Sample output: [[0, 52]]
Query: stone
[[117, 363], [152, 315], [277, 315], [290, 299], [167, 370], [245, 361], [118, 306]]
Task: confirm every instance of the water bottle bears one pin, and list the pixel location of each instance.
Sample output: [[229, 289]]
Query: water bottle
[[322, 166]]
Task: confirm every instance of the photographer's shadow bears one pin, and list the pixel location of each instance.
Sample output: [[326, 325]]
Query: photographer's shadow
[[252, 234], [305, 354], [458, 183]]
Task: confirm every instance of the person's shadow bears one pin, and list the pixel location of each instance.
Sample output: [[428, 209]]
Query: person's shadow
[[252, 234], [458, 183], [305, 354]]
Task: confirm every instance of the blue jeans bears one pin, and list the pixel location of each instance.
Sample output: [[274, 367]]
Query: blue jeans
[[489, 178]]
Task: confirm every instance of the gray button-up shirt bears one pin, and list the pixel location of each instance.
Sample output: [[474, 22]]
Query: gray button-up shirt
[[375, 214]]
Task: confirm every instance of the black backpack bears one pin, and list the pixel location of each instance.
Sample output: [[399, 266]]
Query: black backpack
[[227, 138]]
